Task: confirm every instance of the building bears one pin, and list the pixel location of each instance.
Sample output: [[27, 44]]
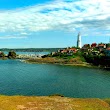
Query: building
[[72, 50], [79, 40], [64, 51], [93, 45], [86, 46], [101, 46]]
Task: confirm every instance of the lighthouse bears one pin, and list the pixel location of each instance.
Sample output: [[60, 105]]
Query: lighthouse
[[79, 40]]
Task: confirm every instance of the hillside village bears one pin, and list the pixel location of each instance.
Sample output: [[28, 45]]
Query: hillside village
[[97, 54], [94, 49]]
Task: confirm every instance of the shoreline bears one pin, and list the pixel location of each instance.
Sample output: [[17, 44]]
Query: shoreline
[[58, 61], [86, 65]]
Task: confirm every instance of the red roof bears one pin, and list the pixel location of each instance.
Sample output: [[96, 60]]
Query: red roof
[[64, 51], [93, 45], [108, 48], [72, 49], [101, 44]]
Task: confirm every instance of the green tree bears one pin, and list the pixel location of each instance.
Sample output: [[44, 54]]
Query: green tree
[[2, 55], [12, 55]]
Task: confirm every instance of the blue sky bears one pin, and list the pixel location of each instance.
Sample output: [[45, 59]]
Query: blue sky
[[53, 23]]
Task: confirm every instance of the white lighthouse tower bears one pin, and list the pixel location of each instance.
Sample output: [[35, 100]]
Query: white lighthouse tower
[[79, 40]]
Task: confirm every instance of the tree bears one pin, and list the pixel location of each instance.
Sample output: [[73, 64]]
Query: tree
[[2, 55], [12, 55]]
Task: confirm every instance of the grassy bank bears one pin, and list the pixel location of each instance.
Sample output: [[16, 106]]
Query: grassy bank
[[54, 60], [51, 103]]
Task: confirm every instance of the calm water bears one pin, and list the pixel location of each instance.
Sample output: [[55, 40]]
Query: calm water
[[18, 78], [25, 53]]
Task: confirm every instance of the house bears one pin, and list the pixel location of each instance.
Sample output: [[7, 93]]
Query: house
[[64, 51], [69, 50], [86, 46], [108, 48], [72, 50], [102, 46], [93, 45]]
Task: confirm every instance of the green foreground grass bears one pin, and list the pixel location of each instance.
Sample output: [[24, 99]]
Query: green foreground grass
[[51, 103]]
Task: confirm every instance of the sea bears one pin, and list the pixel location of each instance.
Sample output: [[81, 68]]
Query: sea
[[19, 78]]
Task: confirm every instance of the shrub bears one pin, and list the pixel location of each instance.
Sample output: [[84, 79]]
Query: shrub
[[12, 55]]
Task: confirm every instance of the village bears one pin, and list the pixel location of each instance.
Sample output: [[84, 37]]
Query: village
[[97, 54], [94, 49]]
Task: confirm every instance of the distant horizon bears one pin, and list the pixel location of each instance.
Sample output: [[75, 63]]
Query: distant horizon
[[53, 23], [33, 48]]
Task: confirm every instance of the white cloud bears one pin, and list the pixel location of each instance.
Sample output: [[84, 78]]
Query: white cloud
[[12, 37], [61, 14]]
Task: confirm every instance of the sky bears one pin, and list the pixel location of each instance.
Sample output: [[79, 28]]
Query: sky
[[53, 23]]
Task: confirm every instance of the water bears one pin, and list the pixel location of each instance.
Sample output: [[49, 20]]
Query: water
[[25, 53], [18, 78]]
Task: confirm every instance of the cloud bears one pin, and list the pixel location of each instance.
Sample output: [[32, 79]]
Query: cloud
[[67, 15], [12, 37]]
